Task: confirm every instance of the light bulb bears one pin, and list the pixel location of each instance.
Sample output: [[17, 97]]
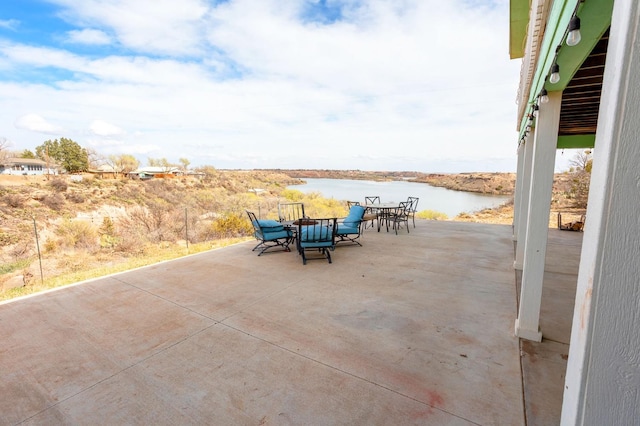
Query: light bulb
[[574, 35], [544, 97], [555, 74]]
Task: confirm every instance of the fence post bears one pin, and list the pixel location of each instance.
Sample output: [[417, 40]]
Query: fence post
[[35, 230], [186, 228]]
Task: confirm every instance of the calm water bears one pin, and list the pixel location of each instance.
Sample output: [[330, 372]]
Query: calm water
[[442, 200]]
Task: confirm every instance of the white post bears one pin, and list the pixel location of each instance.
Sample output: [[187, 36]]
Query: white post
[[518, 190], [523, 207], [544, 155], [602, 385]]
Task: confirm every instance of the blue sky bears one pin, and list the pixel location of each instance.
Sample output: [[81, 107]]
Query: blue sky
[[419, 85]]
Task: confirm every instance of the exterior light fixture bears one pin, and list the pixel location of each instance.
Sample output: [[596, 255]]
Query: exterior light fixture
[[555, 74], [544, 97], [574, 35]]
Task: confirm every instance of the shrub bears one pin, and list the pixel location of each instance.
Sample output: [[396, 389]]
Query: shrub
[[231, 225], [14, 200], [432, 215], [58, 184], [579, 191], [77, 234], [75, 197], [292, 195], [53, 201], [8, 239]]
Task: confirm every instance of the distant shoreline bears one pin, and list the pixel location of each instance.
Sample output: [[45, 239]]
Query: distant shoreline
[[479, 182]]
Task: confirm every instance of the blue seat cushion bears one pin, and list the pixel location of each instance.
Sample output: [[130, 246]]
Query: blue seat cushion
[[270, 225], [275, 235], [344, 229], [355, 216]]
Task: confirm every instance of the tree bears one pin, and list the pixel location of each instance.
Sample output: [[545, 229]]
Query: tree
[[123, 163], [4, 148], [66, 153], [161, 162], [582, 161], [27, 154], [94, 159], [579, 191], [185, 164]]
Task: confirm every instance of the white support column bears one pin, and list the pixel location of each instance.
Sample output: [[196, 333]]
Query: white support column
[[544, 155], [523, 205], [603, 370], [518, 190]]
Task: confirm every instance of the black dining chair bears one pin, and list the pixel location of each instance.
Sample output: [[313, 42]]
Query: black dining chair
[[371, 213], [397, 217], [413, 208]]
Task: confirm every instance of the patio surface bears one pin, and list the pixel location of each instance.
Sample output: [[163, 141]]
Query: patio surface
[[410, 329]]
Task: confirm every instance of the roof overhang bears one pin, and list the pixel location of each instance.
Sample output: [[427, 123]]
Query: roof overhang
[[581, 66]]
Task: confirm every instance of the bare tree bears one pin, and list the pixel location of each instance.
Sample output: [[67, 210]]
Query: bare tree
[[582, 161], [4, 148], [124, 163], [185, 164], [95, 159]]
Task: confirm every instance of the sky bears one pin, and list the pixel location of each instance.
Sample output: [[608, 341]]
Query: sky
[[420, 85]]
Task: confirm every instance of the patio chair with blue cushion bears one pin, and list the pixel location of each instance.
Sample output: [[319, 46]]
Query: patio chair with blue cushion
[[350, 228], [270, 233], [290, 212], [316, 235]]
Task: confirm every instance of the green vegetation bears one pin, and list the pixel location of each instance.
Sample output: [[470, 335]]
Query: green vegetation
[[77, 273], [65, 153], [94, 227], [431, 215]]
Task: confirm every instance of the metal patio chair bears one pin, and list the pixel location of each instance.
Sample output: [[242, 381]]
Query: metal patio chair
[[316, 235], [270, 234], [350, 228], [290, 212], [370, 214], [397, 217], [413, 208]]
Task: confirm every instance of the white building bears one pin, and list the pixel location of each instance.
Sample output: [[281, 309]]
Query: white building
[[584, 92]]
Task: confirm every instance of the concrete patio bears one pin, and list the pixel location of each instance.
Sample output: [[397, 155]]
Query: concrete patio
[[409, 329]]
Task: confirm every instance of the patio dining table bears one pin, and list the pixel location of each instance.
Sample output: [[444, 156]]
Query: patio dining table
[[382, 210]]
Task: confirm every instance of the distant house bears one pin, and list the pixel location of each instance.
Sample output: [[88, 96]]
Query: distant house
[[105, 170], [150, 172], [153, 171], [26, 166]]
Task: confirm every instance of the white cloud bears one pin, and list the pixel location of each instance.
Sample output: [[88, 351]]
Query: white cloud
[[35, 123], [88, 36], [156, 26], [102, 128], [393, 83], [10, 24]]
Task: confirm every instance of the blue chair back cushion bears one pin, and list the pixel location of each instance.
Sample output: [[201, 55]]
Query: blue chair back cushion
[[355, 217], [269, 225], [316, 236]]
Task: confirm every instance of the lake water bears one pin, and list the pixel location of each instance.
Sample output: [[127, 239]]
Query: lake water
[[442, 200]]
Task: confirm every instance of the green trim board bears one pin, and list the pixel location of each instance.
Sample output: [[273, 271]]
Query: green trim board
[[518, 23], [557, 23], [576, 141], [595, 17]]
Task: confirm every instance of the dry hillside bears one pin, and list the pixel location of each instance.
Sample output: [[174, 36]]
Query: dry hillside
[[85, 223]]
